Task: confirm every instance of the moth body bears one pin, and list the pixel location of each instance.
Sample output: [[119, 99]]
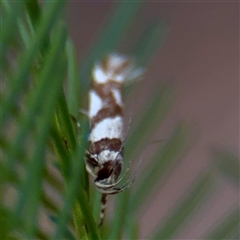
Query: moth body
[[104, 158]]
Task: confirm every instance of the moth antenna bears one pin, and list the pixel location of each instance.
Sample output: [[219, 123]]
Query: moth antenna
[[109, 189], [129, 125], [119, 151], [112, 191], [103, 208], [155, 141], [131, 180], [126, 135], [124, 141]]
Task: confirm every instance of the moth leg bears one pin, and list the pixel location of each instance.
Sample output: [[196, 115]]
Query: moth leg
[[103, 208]]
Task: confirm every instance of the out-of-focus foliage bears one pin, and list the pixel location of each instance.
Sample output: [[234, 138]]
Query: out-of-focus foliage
[[44, 186]]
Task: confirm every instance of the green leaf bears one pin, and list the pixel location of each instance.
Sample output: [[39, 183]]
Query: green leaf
[[224, 229], [34, 14], [82, 197], [71, 189], [151, 117], [34, 11], [74, 94], [228, 164], [43, 87], [81, 230], [109, 37], [68, 234], [148, 119], [134, 229], [183, 210], [164, 159], [10, 12], [20, 77], [30, 193], [46, 116], [5, 221], [48, 203], [150, 42], [26, 37], [119, 219]]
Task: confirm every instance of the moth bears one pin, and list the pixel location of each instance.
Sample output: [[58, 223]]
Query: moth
[[104, 159]]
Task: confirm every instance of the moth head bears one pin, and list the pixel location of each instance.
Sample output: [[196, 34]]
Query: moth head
[[105, 168]]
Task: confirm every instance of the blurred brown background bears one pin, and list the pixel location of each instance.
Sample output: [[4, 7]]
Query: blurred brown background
[[201, 57]]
